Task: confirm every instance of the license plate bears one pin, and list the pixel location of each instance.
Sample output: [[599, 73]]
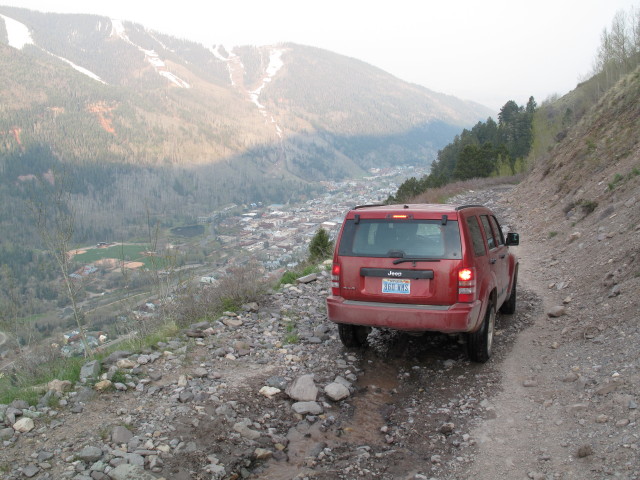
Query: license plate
[[394, 285]]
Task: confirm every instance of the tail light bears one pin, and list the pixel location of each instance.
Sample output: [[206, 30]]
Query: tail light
[[467, 285], [335, 279]]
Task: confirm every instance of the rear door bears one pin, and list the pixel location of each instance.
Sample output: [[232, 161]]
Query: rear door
[[477, 246], [502, 251], [399, 260], [497, 255]]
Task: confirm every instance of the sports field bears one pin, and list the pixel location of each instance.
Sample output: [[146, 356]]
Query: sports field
[[133, 256]]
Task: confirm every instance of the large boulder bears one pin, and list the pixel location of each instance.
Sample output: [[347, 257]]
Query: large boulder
[[336, 391], [24, 425], [303, 389], [90, 371]]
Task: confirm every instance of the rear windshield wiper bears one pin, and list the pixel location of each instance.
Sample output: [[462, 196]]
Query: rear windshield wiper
[[417, 259]]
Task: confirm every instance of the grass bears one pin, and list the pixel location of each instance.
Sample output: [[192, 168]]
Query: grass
[[290, 276], [119, 376], [36, 373], [292, 333], [619, 179], [553, 234], [291, 329], [229, 304], [161, 334], [104, 433]]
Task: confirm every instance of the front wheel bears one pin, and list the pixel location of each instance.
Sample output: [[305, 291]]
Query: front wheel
[[480, 343], [353, 336]]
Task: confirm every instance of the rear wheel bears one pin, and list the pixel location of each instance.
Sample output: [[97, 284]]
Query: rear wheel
[[480, 343], [353, 336]]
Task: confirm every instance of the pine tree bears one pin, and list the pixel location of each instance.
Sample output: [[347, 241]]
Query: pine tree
[[321, 247]]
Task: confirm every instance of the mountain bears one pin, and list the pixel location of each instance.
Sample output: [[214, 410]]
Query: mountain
[[136, 120]]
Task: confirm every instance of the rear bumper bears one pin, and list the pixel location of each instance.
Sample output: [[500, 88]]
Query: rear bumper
[[460, 317]]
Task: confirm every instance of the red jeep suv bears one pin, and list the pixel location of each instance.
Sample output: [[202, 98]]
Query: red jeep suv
[[419, 267]]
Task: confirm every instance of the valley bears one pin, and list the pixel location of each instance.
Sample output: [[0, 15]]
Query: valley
[[120, 281]]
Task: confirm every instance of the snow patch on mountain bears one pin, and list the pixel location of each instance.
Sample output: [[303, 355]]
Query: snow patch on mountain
[[234, 64], [18, 33], [275, 64], [19, 36], [80, 69], [216, 53], [150, 56]]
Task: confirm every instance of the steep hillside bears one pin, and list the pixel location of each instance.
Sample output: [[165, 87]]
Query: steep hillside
[[590, 180], [587, 209], [569, 406]]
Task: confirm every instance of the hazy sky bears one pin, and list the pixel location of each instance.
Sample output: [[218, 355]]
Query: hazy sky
[[487, 51]]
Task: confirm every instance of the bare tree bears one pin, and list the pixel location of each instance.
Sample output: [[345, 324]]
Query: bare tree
[[163, 265], [55, 222], [635, 30], [619, 49], [620, 41]]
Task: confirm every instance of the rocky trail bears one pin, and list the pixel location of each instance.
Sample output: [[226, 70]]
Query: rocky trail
[[271, 393]]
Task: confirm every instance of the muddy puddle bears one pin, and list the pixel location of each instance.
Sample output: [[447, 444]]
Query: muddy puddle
[[390, 372]]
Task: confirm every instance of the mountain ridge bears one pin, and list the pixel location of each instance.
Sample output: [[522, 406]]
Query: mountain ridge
[[151, 59], [136, 117]]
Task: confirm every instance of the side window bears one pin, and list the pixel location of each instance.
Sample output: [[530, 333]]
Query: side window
[[476, 236], [487, 230], [497, 230]]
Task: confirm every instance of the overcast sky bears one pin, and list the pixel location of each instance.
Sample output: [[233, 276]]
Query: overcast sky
[[487, 51]]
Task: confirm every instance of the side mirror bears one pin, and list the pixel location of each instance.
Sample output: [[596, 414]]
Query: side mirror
[[513, 239]]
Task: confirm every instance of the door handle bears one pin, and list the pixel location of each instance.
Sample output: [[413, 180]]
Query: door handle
[[503, 256]]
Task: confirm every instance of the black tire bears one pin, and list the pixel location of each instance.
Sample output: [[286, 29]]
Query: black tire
[[353, 336], [480, 343], [509, 306]]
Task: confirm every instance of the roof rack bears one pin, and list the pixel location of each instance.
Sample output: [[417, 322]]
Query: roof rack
[[369, 205], [460, 207]]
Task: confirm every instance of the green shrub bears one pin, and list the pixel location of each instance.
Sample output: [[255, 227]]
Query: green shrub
[[119, 376], [588, 206], [617, 179], [289, 277]]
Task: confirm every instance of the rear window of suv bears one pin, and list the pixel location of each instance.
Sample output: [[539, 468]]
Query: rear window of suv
[[401, 238]]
